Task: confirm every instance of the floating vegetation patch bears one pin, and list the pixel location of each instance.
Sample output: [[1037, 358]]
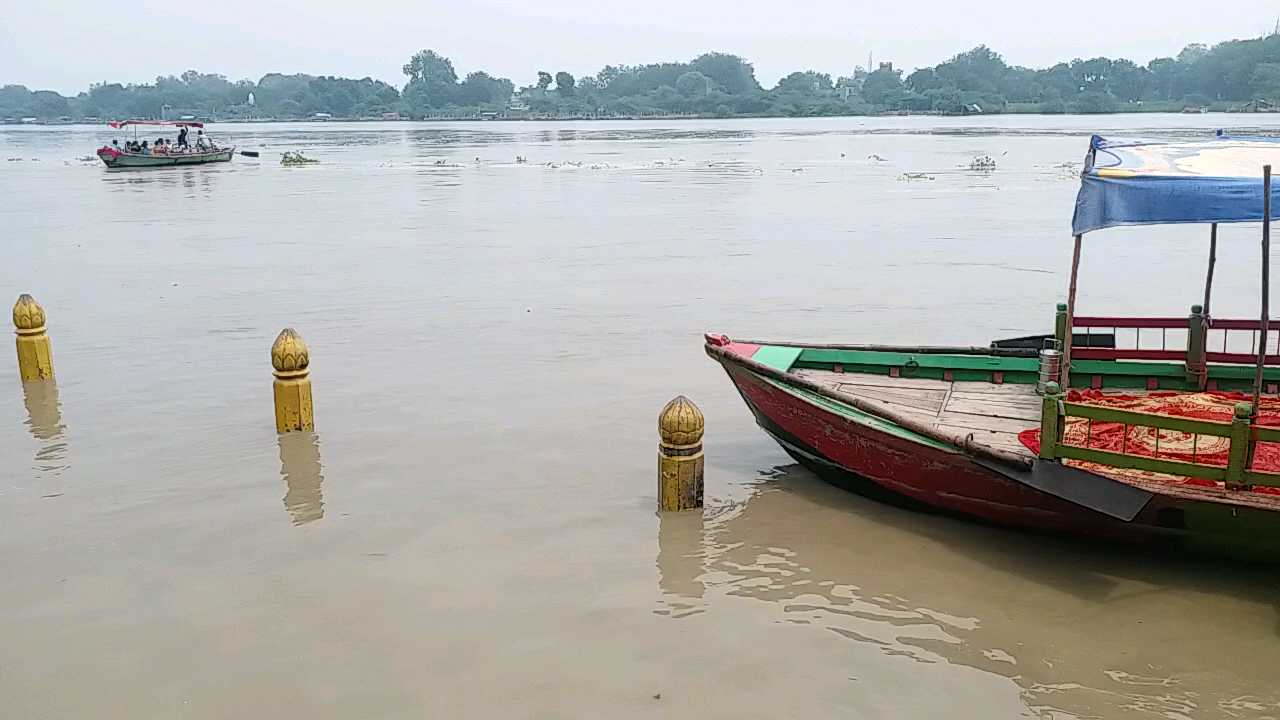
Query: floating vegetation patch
[[984, 163], [296, 158]]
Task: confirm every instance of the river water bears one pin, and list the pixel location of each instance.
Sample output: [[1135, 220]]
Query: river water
[[470, 532]]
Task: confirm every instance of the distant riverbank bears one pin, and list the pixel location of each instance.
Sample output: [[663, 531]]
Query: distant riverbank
[[603, 117], [1239, 75]]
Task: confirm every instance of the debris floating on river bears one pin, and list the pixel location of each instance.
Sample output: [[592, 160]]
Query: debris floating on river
[[296, 158], [984, 163], [915, 176]]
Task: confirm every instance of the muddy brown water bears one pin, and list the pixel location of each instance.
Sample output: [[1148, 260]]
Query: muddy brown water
[[470, 532]]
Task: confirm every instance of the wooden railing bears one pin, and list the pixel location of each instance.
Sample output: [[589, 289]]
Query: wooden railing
[[1238, 352], [1157, 328], [1195, 340], [1236, 473]]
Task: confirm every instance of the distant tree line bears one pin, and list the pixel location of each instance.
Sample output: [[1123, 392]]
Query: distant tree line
[[1230, 74]]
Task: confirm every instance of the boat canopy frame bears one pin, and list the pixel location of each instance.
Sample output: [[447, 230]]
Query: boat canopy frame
[[1143, 182]]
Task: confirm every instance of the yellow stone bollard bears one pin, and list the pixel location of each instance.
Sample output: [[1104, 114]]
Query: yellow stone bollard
[[680, 427], [35, 357], [292, 385]]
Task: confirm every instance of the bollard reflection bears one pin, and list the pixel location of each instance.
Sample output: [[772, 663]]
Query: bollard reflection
[[44, 421], [303, 476], [681, 562]]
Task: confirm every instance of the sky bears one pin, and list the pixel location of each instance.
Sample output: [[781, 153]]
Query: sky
[[65, 45]]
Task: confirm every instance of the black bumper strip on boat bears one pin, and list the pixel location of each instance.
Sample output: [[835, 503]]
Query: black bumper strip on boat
[[1101, 494]]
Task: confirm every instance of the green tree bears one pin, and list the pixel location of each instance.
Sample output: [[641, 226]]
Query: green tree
[[565, 84], [1265, 82], [482, 89], [432, 81], [693, 84], [730, 72], [544, 80], [883, 87], [807, 82], [429, 67]]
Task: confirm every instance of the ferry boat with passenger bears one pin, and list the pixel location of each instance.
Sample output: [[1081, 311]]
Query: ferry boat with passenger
[[144, 155]]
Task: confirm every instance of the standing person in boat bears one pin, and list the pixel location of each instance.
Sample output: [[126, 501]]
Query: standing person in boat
[[182, 137]]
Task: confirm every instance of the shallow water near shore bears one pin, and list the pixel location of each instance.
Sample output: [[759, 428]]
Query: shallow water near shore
[[471, 529]]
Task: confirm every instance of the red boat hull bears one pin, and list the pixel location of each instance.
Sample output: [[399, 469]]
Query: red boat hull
[[866, 460]]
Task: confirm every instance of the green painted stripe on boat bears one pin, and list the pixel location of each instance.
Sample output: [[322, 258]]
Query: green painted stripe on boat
[[858, 416], [1242, 372], [777, 357], [923, 360], [1121, 367]]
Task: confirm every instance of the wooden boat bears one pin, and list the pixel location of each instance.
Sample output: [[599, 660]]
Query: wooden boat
[[1102, 428], [118, 158]]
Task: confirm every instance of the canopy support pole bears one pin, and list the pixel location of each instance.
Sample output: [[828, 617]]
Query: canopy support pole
[[1071, 315], [1266, 286], [1213, 259]]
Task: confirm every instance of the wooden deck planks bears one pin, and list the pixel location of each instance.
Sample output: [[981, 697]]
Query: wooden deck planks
[[927, 400], [994, 409], [827, 376], [987, 423], [995, 414]]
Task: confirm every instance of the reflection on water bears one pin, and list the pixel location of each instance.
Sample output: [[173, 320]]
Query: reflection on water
[[303, 476], [681, 558], [1082, 631], [44, 421]]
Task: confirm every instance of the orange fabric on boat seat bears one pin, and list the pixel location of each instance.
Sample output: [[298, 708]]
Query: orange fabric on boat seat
[[1173, 444]]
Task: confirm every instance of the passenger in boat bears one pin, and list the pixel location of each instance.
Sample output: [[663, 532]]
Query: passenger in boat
[[159, 148], [144, 149], [182, 137], [201, 142]]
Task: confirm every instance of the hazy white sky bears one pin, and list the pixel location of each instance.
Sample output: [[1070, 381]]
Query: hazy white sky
[[66, 44]]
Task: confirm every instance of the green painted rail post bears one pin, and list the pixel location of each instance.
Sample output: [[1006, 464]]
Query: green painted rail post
[[1050, 421], [1241, 446], [1197, 330], [1060, 325]]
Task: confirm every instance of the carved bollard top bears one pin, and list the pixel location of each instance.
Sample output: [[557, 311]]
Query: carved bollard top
[[680, 422], [27, 314], [289, 353]]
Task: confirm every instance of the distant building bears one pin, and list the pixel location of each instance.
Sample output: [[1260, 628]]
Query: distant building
[[886, 66], [322, 116], [391, 116]]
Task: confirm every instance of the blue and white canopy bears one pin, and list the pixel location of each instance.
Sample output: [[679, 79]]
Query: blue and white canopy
[[1146, 182]]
